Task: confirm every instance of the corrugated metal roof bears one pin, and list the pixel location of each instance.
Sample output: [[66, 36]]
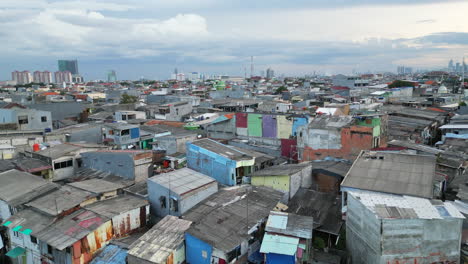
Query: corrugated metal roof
[[290, 224], [405, 207], [115, 206], [111, 254], [71, 228], [287, 169], [221, 149], [61, 200], [392, 173], [97, 186], [279, 245], [161, 240], [17, 187], [222, 221], [182, 181]]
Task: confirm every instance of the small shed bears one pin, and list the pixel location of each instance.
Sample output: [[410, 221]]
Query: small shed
[[176, 192]]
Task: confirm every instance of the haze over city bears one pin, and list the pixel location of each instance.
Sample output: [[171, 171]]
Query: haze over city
[[150, 38]]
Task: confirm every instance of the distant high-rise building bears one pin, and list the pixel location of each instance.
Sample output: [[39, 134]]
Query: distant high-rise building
[[270, 73], [23, 77], [63, 77], [180, 77], [194, 77], [402, 70], [68, 65], [450, 66], [458, 67], [111, 76], [42, 77]]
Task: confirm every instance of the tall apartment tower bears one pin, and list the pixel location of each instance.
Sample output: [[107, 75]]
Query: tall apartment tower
[[68, 65], [23, 77], [63, 77], [42, 77]]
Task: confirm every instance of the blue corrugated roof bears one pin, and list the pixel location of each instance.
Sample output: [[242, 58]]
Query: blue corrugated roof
[[279, 244], [111, 254]]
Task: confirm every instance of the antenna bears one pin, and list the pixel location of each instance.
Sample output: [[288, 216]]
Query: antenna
[[251, 66], [462, 88]]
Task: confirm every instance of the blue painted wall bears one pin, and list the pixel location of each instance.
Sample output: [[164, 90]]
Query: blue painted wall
[[280, 259], [216, 166], [194, 248], [298, 121]]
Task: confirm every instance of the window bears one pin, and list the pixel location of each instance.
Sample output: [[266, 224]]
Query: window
[[162, 201], [49, 249], [177, 111], [174, 205], [111, 132], [22, 120], [16, 234], [33, 239], [43, 119], [124, 117], [63, 164], [125, 132]]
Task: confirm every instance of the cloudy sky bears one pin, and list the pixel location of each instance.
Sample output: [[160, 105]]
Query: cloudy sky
[[151, 37]]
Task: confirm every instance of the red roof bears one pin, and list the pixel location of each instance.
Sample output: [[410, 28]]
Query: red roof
[[436, 109], [50, 93], [430, 82]]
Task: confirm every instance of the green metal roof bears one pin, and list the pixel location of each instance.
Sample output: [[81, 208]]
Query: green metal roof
[[16, 252], [279, 245]]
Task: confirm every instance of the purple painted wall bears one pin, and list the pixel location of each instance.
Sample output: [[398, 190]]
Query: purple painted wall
[[269, 126]]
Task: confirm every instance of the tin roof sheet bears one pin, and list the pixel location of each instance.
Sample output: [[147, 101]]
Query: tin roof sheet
[[279, 244], [182, 181], [405, 207]]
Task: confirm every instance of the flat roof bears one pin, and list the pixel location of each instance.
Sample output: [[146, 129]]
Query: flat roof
[[61, 200], [97, 186], [17, 187], [290, 224], [279, 170], [117, 205], [58, 151], [390, 206], [396, 173], [182, 181], [221, 149]]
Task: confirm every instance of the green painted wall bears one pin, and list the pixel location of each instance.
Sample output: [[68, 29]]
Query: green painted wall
[[284, 126], [254, 124], [375, 124], [280, 183]]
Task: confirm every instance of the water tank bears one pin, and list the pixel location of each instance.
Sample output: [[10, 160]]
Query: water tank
[[36, 147]]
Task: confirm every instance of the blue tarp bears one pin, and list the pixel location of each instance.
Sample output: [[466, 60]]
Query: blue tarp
[[111, 254]]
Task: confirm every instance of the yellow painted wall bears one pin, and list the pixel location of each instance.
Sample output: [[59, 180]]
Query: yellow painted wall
[[280, 183], [284, 126]]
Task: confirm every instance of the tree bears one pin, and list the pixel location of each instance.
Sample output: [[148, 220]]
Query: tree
[[399, 83], [462, 104], [128, 99], [280, 89]]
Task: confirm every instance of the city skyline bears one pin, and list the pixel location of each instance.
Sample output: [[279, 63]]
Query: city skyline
[[208, 36]]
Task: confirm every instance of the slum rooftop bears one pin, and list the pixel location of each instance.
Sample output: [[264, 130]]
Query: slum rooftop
[[161, 240], [17, 187], [286, 169], [392, 173], [290, 224], [182, 181], [390, 206], [221, 149], [58, 151], [221, 220]]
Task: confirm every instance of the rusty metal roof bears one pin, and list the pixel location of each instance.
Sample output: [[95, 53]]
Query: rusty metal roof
[[161, 240], [71, 229]]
